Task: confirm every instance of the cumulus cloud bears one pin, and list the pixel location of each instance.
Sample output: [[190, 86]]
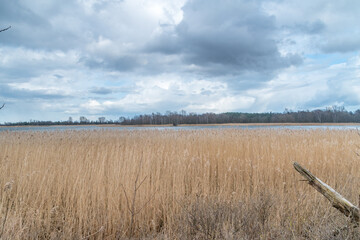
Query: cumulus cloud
[[329, 24], [119, 57], [27, 94], [312, 86], [229, 37]]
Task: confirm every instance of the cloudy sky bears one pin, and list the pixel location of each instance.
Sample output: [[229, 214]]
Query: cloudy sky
[[117, 58]]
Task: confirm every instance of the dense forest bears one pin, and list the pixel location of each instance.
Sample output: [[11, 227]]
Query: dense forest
[[329, 115], [333, 114]]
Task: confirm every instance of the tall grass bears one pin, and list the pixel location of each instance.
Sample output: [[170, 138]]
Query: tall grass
[[202, 184]]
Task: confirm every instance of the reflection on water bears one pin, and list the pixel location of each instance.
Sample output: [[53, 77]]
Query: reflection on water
[[80, 128]]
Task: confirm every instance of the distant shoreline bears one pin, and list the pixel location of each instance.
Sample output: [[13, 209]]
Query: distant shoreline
[[190, 125]]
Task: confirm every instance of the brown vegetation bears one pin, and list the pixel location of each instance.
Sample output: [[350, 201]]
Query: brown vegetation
[[202, 184]]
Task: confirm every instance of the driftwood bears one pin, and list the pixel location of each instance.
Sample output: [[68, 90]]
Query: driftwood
[[337, 201]]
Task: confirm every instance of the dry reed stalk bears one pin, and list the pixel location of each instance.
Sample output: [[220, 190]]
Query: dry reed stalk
[[84, 174]]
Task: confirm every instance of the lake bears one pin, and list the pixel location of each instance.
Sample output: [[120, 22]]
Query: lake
[[132, 128]]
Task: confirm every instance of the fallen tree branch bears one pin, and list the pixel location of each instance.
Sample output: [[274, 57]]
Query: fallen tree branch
[[337, 201]]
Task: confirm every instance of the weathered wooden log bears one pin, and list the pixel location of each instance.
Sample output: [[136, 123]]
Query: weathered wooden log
[[337, 201]]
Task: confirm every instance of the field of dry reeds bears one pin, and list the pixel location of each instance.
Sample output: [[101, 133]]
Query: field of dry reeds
[[152, 184]]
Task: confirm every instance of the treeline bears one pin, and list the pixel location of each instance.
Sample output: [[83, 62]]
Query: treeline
[[70, 122], [329, 115], [333, 114]]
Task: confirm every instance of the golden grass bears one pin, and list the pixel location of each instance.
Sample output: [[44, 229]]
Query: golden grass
[[228, 183]]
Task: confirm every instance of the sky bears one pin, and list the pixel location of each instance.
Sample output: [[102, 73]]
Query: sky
[[117, 58]]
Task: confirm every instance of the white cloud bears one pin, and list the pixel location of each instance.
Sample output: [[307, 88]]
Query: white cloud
[[312, 86], [155, 94], [112, 57]]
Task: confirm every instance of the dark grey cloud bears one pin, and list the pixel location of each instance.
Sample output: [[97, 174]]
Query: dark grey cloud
[[341, 45], [306, 27], [10, 93], [224, 37], [314, 27], [12, 12], [13, 74], [119, 63], [327, 26], [43, 25], [134, 56], [217, 38], [101, 90]]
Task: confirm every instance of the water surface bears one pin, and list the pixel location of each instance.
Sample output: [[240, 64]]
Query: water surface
[[132, 128]]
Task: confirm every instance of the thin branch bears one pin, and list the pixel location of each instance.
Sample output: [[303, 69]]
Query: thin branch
[[149, 200], [132, 206], [138, 172], [2, 106], [5, 29], [127, 199], [136, 188]]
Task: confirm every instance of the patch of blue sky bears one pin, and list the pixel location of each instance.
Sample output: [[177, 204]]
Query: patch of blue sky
[[330, 58]]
